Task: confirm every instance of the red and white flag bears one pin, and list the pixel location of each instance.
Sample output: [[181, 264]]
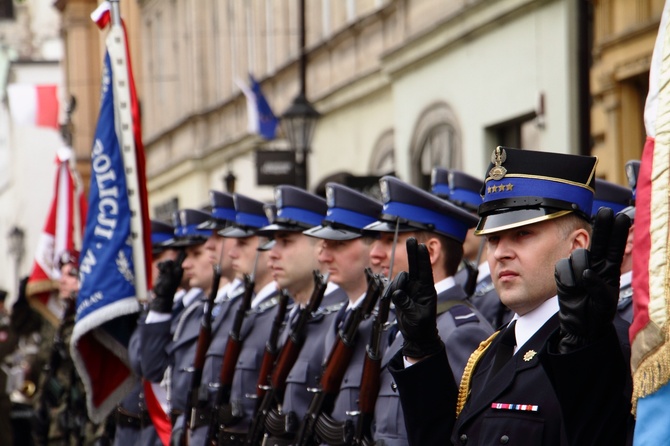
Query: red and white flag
[[35, 105], [62, 230]]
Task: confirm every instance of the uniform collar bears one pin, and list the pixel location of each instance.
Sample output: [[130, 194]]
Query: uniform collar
[[190, 296], [531, 322], [444, 284], [626, 279], [484, 271], [263, 294]]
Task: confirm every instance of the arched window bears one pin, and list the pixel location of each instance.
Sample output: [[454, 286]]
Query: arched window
[[436, 142], [382, 161]]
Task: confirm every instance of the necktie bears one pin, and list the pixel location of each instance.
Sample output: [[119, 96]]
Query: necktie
[[505, 348]]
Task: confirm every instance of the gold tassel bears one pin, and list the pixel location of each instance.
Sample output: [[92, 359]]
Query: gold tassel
[[464, 388]]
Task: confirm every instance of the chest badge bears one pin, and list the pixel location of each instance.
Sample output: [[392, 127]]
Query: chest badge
[[529, 355]]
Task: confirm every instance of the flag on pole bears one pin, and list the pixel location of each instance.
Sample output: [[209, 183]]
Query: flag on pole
[[62, 232], [113, 267], [35, 105], [261, 120], [650, 343]]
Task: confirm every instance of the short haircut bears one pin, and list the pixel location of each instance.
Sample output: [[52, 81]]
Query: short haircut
[[569, 223], [452, 250]]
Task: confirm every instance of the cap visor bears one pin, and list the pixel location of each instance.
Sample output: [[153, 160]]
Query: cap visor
[[213, 224], [236, 232], [330, 233], [513, 219], [276, 227], [185, 242], [387, 226], [266, 246]]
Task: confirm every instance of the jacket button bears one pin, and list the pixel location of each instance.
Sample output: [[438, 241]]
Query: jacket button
[[504, 439], [463, 438], [394, 387]]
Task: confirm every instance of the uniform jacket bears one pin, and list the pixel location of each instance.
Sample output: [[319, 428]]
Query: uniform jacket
[[580, 397], [461, 328]]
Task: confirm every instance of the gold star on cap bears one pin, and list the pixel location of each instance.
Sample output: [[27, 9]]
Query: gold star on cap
[[498, 157], [530, 354]]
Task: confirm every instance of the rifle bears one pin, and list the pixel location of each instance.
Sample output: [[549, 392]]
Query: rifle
[[317, 425], [271, 348], [220, 416], [274, 393], [53, 391], [198, 394], [370, 380]]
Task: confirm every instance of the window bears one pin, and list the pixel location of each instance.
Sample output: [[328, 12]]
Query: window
[[521, 132], [382, 161], [436, 142], [6, 9]]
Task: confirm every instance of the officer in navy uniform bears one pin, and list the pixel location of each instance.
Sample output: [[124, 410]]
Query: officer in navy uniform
[[345, 253], [556, 375], [226, 301], [243, 254], [293, 258], [133, 422], [464, 191], [442, 226], [168, 335]]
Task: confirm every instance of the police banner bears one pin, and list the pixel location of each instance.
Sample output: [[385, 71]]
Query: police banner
[[113, 264], [650, 344]]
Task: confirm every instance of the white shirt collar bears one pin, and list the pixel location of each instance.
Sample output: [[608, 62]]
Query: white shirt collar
[[357, 302], [264, 292], [330, 287], [190, 296], [531, 322], [626, 279], [444, 284]]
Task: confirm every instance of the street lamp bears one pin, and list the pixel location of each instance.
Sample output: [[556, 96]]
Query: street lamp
[[298, 123], [299, 120]]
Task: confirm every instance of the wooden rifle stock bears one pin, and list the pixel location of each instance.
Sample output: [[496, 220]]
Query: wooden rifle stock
[[370, 380], [271, 347], [336, 366], [204, 339], [230, 357], [287, 358]]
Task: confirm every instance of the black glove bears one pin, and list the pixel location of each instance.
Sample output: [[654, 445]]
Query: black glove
[[415, 300], [170, 273], [588, 283]]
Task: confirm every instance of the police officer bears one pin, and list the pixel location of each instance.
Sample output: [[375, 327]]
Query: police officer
[[134, 425], [345, 253], [528, 384], [293, 258], [442, 227], [464, 191], [247, 259], [167, 337]]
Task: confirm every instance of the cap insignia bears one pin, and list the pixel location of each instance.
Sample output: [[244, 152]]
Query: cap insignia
[[500, 188], [529, 355], [386, 195], [498, 157], [279, 202], [330, 196]]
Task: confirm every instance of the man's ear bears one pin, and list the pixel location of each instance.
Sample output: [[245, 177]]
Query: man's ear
[[581, 239], [434, 249]]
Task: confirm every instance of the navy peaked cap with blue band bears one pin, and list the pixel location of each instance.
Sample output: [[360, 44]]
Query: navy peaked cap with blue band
[[524, 187], [349, 211], [297, 210], [223, 210], [414, 209], [189, 231], [610, 195], [249, 217], [439, 182], [462, 189], [161, 234]]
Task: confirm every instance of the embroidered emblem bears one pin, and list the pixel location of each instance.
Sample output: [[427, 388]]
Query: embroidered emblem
[[530, 354], [498, 157]]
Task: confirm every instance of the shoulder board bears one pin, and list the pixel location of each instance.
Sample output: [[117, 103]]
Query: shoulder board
[[461, 311]]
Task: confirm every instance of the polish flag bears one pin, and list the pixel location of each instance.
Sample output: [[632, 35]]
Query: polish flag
[[35, 105]]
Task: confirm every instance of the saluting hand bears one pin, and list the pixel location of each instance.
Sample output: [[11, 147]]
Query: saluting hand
[[169, 277], [588, 282], [415, 300]]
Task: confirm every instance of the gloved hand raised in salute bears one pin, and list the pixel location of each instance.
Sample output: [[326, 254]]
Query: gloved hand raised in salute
[[588, 283], [169, 277], [415, 300]]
